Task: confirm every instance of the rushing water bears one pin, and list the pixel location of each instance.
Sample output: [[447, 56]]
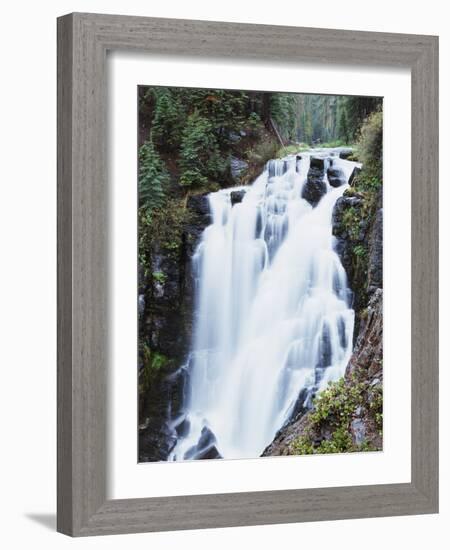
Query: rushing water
[[273, 320]]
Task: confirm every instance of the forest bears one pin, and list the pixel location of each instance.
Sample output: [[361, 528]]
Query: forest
[[202, 153]]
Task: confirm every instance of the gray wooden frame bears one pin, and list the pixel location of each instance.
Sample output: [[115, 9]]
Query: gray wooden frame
[[83, 40]]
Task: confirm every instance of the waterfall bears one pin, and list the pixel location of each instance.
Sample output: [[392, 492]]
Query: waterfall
[[273, 320]]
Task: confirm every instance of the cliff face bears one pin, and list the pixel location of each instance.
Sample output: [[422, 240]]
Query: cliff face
[[358, 229], [165, 322], [347, 416]]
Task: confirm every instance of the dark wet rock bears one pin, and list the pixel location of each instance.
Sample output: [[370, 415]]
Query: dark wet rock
[[302, 404], [199, 204], [368, 352], [234, 137], [355, 172], [205, 448], [210, 452], [325, 351], [165, 328], [236, 196], [351, 231], [318, 163], [156, 441], [207, 438], [182, 427], [336, 177], [345, 153], [315, 187], [286, 436], [344, 240]]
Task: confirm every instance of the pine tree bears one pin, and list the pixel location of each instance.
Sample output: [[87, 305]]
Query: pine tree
[[168, 118], [153, 176], [200, 157]]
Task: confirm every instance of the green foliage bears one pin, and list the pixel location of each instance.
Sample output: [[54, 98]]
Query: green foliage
[[161, 228], [200, 157], [254, 122], [351, 219], [360, 250], [153, 364], [370, 151], [358, 109], [153, 177], [283, 112], [335, 408], [159, 277], [262, 151], [376, 407], [168, 118]]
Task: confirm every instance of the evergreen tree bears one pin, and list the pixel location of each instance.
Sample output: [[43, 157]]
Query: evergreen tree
[[283, 111], [168, 118], [153, 176], [200, 157]]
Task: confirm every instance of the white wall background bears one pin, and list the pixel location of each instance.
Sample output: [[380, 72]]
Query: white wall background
[[28, 271]]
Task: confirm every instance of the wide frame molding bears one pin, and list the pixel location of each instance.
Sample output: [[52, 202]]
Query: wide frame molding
[[83, 41]]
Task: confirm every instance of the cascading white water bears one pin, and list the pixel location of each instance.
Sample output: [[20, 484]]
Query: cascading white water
[[273, 320]]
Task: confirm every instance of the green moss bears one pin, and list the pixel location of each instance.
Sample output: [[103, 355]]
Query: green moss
[[154, 364], [159, 277], [163, 228], [360, 250]]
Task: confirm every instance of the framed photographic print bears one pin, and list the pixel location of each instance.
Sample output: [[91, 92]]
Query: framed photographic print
[[247, 274]]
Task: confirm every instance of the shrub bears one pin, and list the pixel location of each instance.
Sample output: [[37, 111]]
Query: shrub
[[335, 408], [263, 151]]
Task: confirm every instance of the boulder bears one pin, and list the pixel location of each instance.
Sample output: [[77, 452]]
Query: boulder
[[315, 187], [237, 196], [205, 448], [318, 162], [355, 172], [336, 176], [345, 153]]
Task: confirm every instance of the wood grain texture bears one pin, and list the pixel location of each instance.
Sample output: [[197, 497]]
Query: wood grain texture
[[83, 40]]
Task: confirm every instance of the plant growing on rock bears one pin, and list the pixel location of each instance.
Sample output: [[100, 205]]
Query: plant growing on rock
[[328, 429]]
